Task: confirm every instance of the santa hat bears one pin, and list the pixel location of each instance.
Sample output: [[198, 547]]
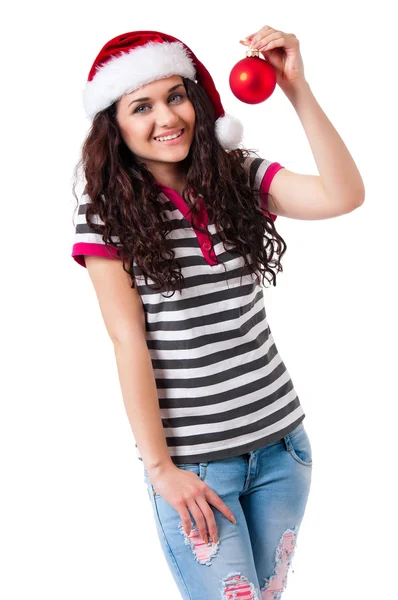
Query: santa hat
[[133, 59]]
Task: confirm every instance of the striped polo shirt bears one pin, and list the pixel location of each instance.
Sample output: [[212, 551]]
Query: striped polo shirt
[[222, 386]]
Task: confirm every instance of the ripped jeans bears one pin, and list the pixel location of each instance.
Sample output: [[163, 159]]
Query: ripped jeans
[[267, 491]]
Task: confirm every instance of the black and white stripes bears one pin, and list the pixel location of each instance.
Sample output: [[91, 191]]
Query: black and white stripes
[[223, 388]]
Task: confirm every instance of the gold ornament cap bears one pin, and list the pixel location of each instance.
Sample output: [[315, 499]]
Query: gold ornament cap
[[252, 52]]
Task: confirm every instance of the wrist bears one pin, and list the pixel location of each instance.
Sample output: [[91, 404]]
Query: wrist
[[296, 89], [159, 469]]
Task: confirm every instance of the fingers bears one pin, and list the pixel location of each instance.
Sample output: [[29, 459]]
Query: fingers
[[248, 38], [261, 33], [197, 514], [203, 514], [219, 504], [185, 518], [260, 41], [210, 520]]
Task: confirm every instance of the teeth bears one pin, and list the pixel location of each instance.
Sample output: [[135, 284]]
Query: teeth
[[168, 137]]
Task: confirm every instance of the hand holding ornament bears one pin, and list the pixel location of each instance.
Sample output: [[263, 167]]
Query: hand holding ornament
[[282, 51]]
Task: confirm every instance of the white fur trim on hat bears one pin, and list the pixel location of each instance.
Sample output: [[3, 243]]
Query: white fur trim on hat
[[127, 72], [229, 131]]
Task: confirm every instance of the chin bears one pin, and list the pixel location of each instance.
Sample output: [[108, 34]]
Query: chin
[[173, 155]]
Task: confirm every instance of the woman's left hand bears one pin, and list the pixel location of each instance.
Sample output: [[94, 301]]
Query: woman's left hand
[[282, 51]]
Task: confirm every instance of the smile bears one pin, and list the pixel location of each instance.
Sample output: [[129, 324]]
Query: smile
[[170, 139]]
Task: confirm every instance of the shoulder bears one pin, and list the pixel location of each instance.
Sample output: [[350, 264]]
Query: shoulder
[[87, 241], [260, 172]]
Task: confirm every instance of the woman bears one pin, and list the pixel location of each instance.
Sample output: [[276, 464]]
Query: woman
[[172, 204]]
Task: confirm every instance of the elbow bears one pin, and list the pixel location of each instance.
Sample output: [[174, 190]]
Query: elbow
[[360, 201], [360, 195], [357, 200]]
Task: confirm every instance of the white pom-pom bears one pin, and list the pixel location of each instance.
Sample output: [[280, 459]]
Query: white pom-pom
[[229, 132]]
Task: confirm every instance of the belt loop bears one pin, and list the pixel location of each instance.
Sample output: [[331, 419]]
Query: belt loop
[[288, 443], [203, 470]]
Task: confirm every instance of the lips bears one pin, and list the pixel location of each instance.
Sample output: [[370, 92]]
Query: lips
[[163, 141]]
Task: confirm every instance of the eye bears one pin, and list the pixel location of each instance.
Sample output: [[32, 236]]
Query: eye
[[137, 110], [177, 96]]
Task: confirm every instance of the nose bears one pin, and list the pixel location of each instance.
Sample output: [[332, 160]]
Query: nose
[[165, 116]]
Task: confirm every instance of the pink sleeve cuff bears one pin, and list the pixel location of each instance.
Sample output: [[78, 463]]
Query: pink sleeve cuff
[[265, 185], [82, 249]]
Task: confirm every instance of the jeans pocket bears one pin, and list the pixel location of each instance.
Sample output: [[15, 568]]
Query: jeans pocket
[[198, 468], [194, 467], [299, 446]]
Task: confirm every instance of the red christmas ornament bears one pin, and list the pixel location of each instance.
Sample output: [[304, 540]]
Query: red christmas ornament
[[252, 79]]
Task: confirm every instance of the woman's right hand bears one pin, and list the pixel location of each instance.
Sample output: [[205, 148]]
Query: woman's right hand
[[184, 490]]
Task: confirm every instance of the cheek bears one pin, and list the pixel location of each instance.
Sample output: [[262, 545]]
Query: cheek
[[187, 112], [192, 116], [136, 133]]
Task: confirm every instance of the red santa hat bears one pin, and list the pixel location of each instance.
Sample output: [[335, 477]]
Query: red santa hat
[[133, 59]]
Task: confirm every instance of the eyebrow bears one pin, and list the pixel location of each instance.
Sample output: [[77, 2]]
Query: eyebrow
[[170, 90]]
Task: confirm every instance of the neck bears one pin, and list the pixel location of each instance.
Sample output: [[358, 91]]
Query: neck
[[175, 181], [171, 175]]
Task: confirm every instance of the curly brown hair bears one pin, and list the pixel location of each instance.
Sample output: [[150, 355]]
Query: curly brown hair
[[124, 194]]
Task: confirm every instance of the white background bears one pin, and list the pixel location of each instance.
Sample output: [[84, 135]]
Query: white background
[[76, 522]]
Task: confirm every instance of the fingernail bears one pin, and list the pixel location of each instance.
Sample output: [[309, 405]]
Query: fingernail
[[233, 520]]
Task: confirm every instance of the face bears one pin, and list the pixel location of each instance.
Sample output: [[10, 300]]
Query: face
[[141, 120]]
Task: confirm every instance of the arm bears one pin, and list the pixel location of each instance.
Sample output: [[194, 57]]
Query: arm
[[339, 189], [338, 171], [298, 196], [124, 319]]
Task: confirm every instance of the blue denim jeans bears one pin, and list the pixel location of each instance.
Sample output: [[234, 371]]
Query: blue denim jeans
[[267, 491]]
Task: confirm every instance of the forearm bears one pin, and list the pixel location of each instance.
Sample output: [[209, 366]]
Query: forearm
[[337, 169], [141, 402]]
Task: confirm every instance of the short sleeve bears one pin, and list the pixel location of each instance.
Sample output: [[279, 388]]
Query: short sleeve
[[87, 242], [261, 172]]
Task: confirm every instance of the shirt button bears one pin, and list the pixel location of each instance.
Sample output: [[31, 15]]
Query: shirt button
[[206, 246]]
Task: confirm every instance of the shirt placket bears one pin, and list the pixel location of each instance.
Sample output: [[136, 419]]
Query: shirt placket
[[204, 239]]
